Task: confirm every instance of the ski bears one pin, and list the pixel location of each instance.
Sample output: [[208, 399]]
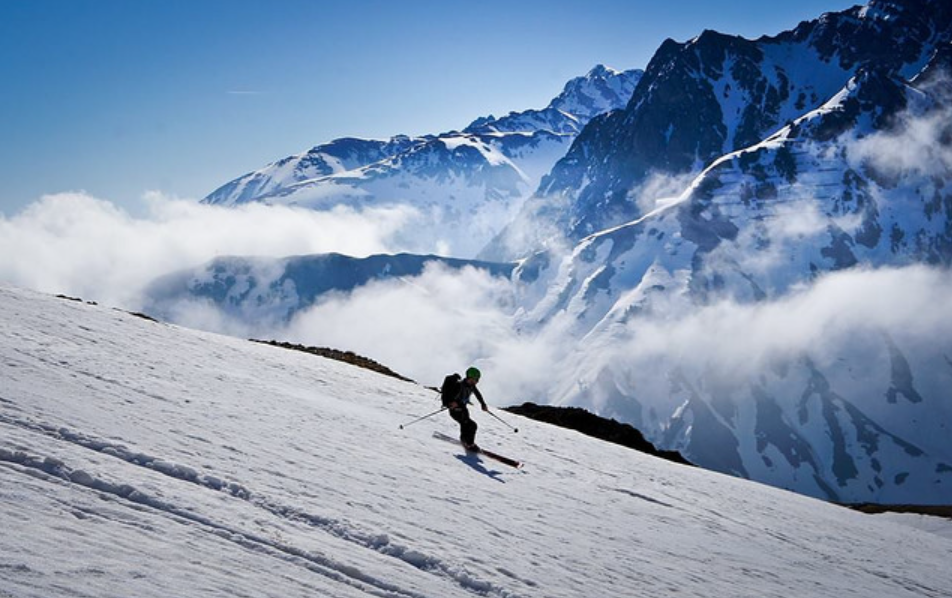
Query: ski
[[481, 451]]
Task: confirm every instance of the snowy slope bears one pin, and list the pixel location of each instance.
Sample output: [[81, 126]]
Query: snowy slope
[[340, 155], [462, 188], [141, 459]]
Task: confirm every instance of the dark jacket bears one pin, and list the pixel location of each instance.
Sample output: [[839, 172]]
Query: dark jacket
[[456, 390], [465, 392]]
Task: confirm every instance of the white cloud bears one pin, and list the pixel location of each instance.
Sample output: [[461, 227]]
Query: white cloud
[[920, 139], [659, 189], [76, 244], [425, 327], [830, 320], [446, 320], [918, 145]]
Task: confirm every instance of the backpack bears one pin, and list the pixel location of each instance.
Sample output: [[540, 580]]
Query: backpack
[[452, 384]]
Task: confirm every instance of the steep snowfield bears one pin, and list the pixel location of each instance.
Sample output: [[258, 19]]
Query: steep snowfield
[[141, 459]]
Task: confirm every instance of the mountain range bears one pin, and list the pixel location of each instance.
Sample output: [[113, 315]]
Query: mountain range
[[713, 95], [463, 186], [731, 258]]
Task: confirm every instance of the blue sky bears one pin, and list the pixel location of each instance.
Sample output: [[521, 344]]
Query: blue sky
[[120, 97]]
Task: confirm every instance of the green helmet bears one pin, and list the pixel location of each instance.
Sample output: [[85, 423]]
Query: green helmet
[[473, 373]]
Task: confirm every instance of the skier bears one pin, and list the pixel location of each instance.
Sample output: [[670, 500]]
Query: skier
[[456, 395]]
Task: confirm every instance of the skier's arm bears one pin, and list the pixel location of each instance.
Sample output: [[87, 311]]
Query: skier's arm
[[479, 396]]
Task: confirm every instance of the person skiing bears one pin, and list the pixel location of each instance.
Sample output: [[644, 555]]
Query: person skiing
[[456, 395]]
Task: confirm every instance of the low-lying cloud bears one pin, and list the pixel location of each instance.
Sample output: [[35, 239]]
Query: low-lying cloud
[[427, 326], [919, 140], [76, 244], [445, 320], [819, 319]]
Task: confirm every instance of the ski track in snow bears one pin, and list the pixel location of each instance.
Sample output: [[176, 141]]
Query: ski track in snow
[[51, 467], [141, 459]]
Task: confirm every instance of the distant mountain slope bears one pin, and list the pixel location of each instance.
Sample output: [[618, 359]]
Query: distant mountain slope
[[340, 155], [464, 186], [269, 291], [141, 459]]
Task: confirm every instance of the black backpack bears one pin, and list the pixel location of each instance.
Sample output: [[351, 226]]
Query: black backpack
[[450, 389]]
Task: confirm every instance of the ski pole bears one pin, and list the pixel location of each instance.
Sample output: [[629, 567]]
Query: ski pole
[[516, 430], [402, 426]]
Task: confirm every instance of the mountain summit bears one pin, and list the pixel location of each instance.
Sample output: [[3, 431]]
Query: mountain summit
[[602, 90]]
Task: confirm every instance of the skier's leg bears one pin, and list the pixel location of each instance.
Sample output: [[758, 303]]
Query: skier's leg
[[470, 433], [461, 416]]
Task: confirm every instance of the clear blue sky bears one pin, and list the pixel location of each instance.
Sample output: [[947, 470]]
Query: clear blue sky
[[118, 97]]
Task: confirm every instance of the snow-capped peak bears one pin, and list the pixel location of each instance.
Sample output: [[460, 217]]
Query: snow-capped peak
[[599, 91]]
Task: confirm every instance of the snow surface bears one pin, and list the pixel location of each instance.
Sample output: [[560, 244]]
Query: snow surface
[[936, 525], [142, 459]]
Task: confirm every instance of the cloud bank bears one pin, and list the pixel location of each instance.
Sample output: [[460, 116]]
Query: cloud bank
[[78, 245], [445, 321]]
